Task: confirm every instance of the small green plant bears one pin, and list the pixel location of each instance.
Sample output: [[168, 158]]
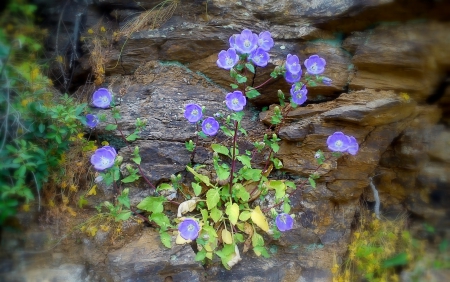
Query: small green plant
[[37, 126]]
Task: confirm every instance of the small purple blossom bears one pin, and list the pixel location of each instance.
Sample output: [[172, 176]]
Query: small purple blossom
[[193, 113], [327, 81], [227, 59], [265, 41], [103, 158], [338, 142], [235, 101], [189, 229], [260, 57], [299, 95], [293, 64], [284, 222], [91, 120], [102, 98], [246, 42], [353, 146], [232, 41], [315, 64], [293, 77], [210, 126]]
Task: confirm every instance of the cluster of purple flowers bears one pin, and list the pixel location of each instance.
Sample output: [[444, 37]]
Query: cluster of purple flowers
[[103, 158], [255, 47], [101, 99], [235, 101], [339, 142], [193, 113]]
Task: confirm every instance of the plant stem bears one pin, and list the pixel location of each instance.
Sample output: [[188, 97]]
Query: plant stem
[[264, 83], [196, 144], [233, 158]]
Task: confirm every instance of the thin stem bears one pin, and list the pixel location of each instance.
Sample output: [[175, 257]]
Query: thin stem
[[233, 159], [264, 83], [196, 144]]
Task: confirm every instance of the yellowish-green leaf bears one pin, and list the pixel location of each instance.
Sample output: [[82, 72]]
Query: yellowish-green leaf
[[201, 177], [212, 198], [226, 237], [216, 214], [259, 219], [233, 213], [245, 215]]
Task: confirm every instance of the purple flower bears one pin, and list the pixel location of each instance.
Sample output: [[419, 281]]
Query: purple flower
[[103, 158], [353, 146], [327, 81], [235, 101], [193, 113], [284, 222], [338, 142], [298, 95], [91, 120], [102, 98], [293, 77], [246, 42], [232, 41], [210, 126], [315, 64], [265, 41], [293, 64], [189, 229], [227, 59], [260, 57]]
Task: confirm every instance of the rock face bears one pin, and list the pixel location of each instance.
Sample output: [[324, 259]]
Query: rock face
[[389, 91]]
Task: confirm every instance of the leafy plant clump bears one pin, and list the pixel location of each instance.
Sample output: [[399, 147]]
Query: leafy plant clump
[[37, 126], [220, 211]]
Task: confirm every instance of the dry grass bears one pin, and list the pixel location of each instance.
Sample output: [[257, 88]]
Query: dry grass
[[150, 19]]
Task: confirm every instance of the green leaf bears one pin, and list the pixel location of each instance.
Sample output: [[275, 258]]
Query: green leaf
[[245, 215], [241, 78], [216, 214], [131, 178], [397, 260], [212, 198], [250, 67], [275, 147], [164, 186], [257, 240], [245, 160], [152, 204], [200, 256], [234, 86], [312, 182], [277, 163], [201, 177], [241, 192], [123, 215], [136, 157], [232, 211], [253, 93], [132, 137], [190, 145], [260, 250], [223, 171], [197, 188], [204, 215], [41, 128], [220, 149], [82, 201], [124, 199], [161, 219], [239, 237], [166, 239], [250, 173], [110, 127], [286, 207]]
